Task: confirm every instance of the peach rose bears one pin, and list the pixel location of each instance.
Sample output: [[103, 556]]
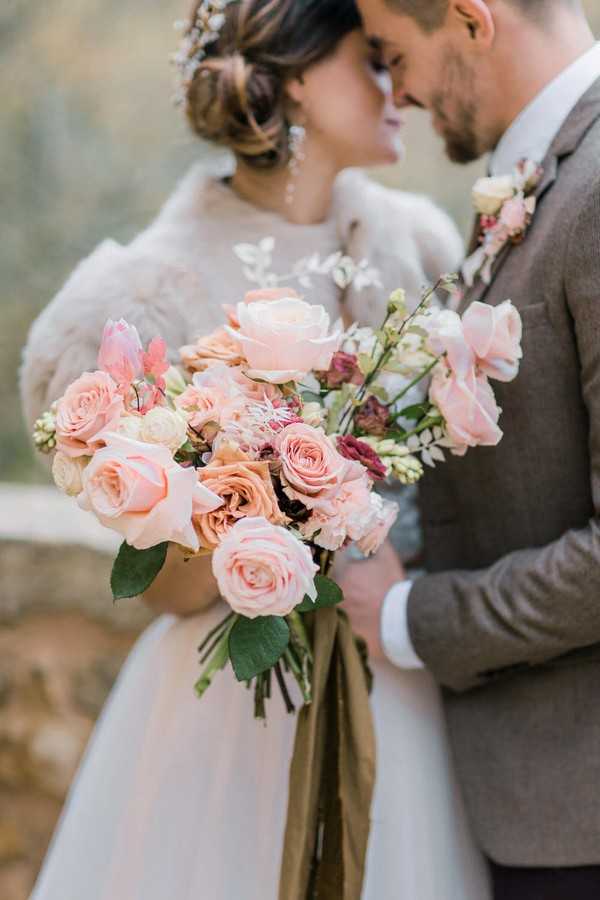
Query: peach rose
[[350, 515], [386, 513], [216, 347], [90, 405], [263, 570], [469, 407], [246, 490], [312, 470], [283, 340], [495, 333], [138, 490]]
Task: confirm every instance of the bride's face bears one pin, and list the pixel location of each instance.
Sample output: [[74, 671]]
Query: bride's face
[[348, 106]]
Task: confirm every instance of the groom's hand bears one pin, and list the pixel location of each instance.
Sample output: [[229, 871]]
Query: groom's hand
[[365, 586]]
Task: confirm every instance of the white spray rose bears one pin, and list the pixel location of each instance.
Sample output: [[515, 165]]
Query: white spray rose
[[489, 194], [163, 426], [313, 414], [67, 472]]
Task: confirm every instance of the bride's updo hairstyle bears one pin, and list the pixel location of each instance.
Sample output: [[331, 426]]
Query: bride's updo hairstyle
[[236, 96]]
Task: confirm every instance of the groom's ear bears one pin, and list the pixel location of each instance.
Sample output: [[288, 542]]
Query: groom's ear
[[475, 20]]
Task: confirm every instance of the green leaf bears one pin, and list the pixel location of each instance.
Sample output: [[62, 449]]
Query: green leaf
[[366, 363], [135, 570], [328, 594], [416, 412], [380, 392], [310, 397], [255, 645]]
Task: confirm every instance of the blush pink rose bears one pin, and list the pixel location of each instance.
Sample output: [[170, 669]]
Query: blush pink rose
[[139, 491], [213, 397], [121, 353], [469, 407], [263, 570], [386, 515], [350, 515], [514, 215], [259, 295], [312, 470], [90, 405], [446, 335], [495, 334], [283, 340]]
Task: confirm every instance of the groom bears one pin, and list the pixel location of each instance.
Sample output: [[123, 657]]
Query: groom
[[508, 618]]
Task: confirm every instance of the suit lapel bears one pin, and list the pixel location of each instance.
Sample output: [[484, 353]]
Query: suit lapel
[[566, 142]]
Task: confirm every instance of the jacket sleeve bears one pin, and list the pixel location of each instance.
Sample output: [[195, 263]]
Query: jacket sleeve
[[534, 605], [113, 282]]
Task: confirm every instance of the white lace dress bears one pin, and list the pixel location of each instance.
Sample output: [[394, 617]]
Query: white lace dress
[[186, 799]]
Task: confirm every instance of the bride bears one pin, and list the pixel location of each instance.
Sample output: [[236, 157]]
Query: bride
[[180, 798]]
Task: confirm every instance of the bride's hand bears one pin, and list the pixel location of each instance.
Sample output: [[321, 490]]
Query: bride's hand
[[365, 586], [182, 588]]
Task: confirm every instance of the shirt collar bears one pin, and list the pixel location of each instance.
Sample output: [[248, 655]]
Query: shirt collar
[[532, 132]]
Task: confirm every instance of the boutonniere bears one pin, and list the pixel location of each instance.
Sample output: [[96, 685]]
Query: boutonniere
[[505, 205]]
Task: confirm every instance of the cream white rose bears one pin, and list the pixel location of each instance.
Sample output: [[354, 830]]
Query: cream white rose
[[163, 426], [283, 340], [67, 472], [489, 194], [313, 414], [130, 427]]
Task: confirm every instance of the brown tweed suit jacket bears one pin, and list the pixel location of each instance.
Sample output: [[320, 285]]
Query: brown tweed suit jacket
[[508, 618]]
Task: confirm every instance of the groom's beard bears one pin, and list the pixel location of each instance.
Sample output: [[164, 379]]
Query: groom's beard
[[455, 111]]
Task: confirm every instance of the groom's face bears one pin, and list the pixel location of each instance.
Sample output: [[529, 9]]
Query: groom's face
[[435, 71]]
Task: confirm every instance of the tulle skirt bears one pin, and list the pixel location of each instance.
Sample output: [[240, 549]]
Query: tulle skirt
[[182, 799]]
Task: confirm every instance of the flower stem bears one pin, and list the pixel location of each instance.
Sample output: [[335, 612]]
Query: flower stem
[[218, 661], [414, 382]]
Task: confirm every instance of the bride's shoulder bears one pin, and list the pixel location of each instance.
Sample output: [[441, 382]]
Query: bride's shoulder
[[112, 282], [408, 219]]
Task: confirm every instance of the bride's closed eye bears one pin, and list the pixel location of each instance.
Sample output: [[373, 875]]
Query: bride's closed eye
[[377, 64]]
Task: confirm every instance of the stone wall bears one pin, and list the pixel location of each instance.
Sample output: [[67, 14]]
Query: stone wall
[[62, 643]]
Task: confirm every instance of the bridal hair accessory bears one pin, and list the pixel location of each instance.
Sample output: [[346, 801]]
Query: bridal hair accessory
[[505, 205], [205, 30], [296, 141]]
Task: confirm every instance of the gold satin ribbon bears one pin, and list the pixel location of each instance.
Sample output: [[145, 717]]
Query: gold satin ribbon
[[332, 774]]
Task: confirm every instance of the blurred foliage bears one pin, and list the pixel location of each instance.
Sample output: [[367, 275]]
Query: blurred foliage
[[91, 146]]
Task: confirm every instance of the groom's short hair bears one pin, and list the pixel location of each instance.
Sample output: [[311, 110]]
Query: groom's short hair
[[431, 14]]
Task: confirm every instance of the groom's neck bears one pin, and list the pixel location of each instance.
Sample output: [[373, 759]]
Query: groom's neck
[[533, 55]]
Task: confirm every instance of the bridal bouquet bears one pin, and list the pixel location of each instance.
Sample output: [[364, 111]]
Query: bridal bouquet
[[264, 449]]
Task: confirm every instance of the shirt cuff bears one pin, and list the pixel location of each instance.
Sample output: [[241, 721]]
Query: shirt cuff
[[395, 636]]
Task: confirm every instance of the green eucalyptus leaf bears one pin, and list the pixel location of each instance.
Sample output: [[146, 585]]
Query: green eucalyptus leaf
[[416, 412], [310, 397], [255, 645], [134, 570], [328, 594]]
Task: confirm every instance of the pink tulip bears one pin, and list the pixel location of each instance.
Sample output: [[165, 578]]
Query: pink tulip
[[121, 353]]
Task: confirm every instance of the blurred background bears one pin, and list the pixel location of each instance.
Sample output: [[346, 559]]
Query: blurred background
[[90, 147]]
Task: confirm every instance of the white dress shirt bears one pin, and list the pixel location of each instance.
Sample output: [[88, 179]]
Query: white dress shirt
[[529, 137]]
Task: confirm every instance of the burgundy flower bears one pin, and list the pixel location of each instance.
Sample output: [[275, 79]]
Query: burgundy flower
[[343, 370], [372, 417], [352, 448]]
